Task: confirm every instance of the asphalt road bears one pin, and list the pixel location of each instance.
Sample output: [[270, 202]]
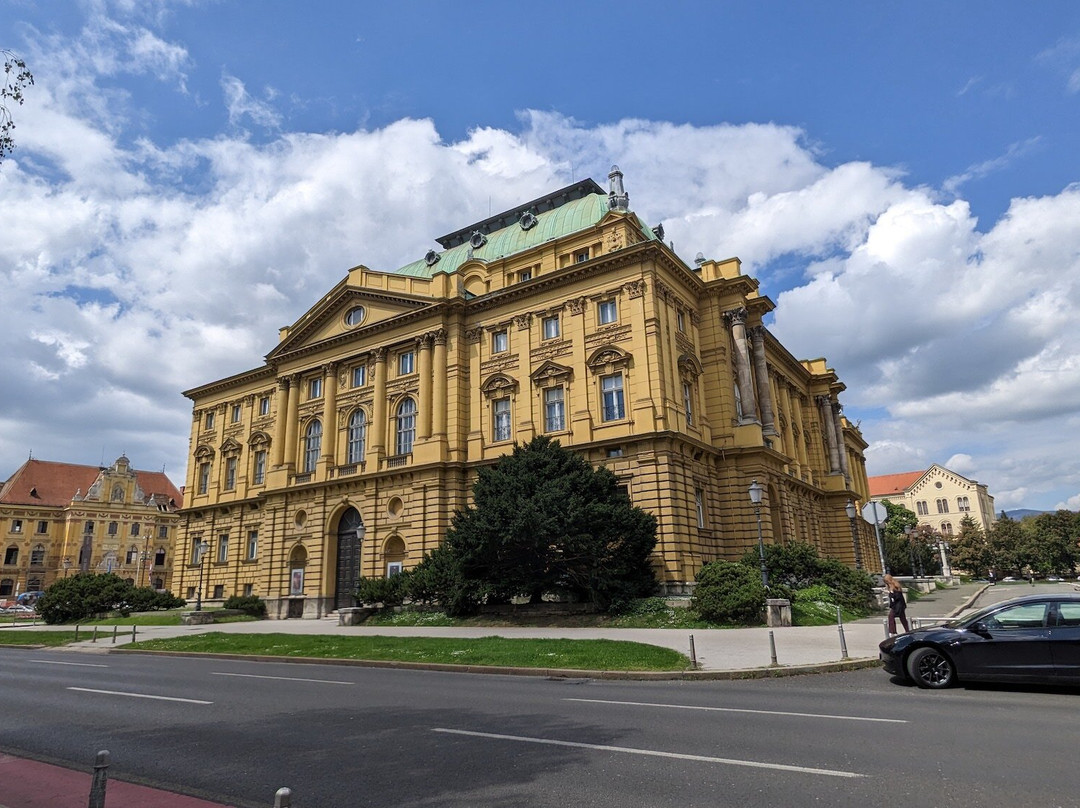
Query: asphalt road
[[352, 736]]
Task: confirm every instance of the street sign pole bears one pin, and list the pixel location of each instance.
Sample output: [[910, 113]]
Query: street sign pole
[[876, 513]]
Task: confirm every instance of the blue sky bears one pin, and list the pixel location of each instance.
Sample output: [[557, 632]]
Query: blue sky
[[192, 175]]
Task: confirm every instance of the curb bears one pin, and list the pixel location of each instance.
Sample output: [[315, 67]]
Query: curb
[[550, 673], [967, 604]]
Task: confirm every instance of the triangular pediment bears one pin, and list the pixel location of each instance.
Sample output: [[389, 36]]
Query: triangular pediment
[[344, 312]]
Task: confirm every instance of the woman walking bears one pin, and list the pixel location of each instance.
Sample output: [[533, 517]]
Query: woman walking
[[897, 605]]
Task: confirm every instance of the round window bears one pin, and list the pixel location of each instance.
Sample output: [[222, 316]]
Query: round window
[[354, 316], [937, 484], [300, 518], [395, 506]]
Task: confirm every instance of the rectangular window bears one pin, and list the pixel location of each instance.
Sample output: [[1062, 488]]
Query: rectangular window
[[581, 256], [88, 528], [615, 451], [699, 504], [37, 557], [406, 363], [248, 589], [259, 472], [253, 544], [132, 554], [223, 548], [209, 420], [113, 528], [607, 312], [230, 473], [264, 405], [501, 414], [237, 411], [680, 319], [42, 527], [191, 593], [16, 525], [315, 388], [136, 528], [499, 342], [219, 591], [163, 532], [688, 403], [11, 556], [551, 327], [204, 477], [554, 410], [526, 275], [393, 568], [611, 388], [359, 376]]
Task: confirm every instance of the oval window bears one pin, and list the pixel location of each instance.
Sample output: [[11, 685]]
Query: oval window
[[354, 316]]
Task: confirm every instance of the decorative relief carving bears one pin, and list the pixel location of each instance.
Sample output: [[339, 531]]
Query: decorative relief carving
[[380, 354], [499, 386], [549, 373], [501, 364], [663, 291], [735, 316], [635, 288], [551, 350], [615, 239], [440, 336], [695, 318], [330, 368], [523, 321], [684, 343], [473, 335], [576, 305], [614, 333]]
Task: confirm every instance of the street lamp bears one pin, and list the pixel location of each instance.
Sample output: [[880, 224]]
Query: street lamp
[[756, 490], [201, 549], [912, 534], [851, 512]]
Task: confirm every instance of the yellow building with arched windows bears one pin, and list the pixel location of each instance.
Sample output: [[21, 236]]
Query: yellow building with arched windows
[[347, 452]]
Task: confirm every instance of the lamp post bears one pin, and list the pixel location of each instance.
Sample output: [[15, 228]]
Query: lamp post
[[67, 566], [201, 549], [912, 534], [756, 490], [852, 512]]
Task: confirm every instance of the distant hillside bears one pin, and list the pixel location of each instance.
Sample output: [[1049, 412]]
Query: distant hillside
[[1020, 513]]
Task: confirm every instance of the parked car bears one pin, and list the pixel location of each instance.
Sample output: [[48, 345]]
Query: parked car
[[1035, 638]]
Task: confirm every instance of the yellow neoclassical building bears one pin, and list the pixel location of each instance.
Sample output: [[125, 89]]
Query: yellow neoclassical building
[[59, 519], [938, 496], [347, 452]]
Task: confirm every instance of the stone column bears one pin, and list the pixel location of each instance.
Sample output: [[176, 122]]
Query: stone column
[[841, 446], [736, 320], [292, 421], [377, 429], [330, 424], [284, 388], [800, 439], [440, 404], [423, 347], [829, 427], [761, 369]]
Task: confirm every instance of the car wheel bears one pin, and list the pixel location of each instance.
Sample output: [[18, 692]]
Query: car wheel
[[929, 667]]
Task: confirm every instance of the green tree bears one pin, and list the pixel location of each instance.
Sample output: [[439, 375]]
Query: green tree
[[544, 521], [1005, 542], [969, 549], [16, 79], [1051, 542], [898, 548], [729, 592], [82, 596]]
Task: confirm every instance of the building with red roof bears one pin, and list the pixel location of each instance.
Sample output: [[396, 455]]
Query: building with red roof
[[939, 497], [59, 519]]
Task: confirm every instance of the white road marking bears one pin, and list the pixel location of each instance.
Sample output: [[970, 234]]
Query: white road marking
[[741, 710], [654, 753], [139, 695], [74, 664], [281, 678]]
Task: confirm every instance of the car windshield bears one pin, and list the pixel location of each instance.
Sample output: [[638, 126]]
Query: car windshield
[[965, 620]]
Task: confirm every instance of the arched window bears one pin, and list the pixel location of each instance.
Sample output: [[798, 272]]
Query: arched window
[[357, 431], [312, 445], [37, 556], [132, 555], [406, 426]]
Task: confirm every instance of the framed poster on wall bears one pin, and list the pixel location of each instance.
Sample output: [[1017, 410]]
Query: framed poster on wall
[[296, 582]]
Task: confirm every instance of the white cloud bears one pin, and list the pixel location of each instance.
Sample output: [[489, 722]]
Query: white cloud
[[241, 105]]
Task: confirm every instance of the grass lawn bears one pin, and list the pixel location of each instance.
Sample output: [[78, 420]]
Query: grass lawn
[[171, 618], [39, 637], [601, 655]]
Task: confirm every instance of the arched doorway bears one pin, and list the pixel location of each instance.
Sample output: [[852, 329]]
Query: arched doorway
[[350, 536]]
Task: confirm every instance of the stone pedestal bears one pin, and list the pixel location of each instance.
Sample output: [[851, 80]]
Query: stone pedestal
[[196, 618], [354, 616], [778, 612]]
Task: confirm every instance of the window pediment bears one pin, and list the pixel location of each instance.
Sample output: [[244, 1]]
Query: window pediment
[[689, 366], [608, 359], [259, 440], [551, 373], [204, 453], [230, 447], [499, 385]]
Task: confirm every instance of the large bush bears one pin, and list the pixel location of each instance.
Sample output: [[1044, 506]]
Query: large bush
[[390, 591], [85, 595], [729, 592], [798, 565], [248, 604]]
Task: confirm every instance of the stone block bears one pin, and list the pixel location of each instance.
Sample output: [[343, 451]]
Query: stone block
[[778, 612]]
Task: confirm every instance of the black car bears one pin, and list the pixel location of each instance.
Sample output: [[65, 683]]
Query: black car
[[1035, 638]]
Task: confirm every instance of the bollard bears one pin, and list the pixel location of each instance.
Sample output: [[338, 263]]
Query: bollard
[[133, 633], [114, 630], [101, 777], [94, 638], [772, 649], [840, 628], [885, 625], [76, 632], [693, 654], [283, 798]]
